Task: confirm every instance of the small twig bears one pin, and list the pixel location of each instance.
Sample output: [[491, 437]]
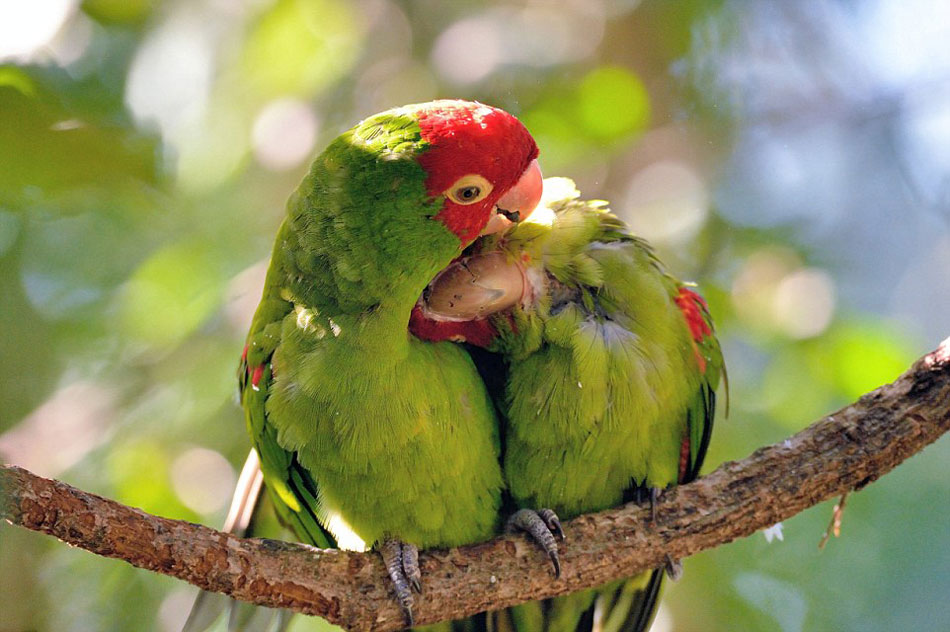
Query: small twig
[[834, 527], [842, 452]]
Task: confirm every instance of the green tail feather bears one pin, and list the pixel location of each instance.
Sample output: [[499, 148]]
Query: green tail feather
[[632, 605], [621, 606]]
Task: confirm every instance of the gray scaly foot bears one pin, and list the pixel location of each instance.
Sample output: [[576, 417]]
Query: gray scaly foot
[[402, 564], [542, 525]]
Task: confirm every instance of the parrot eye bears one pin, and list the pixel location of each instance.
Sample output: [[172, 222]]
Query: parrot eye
[[469, 193], [469, 189]]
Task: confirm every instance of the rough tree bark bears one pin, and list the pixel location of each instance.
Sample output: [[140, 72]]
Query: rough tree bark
[[842, 452]]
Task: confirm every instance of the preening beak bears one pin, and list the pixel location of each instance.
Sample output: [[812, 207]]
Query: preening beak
[[518, 202]]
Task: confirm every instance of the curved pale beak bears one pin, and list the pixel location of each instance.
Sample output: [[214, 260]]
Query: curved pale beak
[[518, 202]]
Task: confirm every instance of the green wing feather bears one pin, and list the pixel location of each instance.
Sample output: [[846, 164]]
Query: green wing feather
[[292, 489]]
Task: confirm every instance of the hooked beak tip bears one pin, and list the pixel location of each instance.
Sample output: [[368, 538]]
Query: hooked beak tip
[[520, 200], [511, 216]]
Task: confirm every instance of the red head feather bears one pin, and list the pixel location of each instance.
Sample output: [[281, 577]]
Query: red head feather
[[471, 138]]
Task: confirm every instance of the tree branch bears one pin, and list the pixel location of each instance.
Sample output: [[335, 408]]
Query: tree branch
[[842, 452]]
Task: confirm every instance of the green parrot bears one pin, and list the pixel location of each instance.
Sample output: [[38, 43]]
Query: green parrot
[[362, 431], [605, 369]]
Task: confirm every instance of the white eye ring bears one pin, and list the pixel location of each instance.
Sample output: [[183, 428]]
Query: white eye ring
[[469, 189]]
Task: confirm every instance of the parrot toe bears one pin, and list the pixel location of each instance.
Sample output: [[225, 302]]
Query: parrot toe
[[641, 494], [654, 496], [673, 568], [410, 564], [553, 522], [542, 526], [402, 564]]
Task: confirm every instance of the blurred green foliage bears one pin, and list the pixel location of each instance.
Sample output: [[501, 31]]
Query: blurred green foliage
[[147, 148]]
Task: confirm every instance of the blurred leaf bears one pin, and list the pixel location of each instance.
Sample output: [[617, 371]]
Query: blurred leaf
[[63, 283], [171, 294], [797, 386], [50, 147], [119, 11], [196, 382], [18, 79], [301, 46]]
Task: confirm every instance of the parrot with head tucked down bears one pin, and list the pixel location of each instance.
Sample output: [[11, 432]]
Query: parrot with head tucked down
[[605, 369], [357, 425]]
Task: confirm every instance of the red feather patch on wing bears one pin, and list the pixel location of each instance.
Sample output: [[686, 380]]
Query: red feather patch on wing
[[684, 459], [694, 309], [256, 376]]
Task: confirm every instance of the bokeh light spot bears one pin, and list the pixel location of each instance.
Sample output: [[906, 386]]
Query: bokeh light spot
[[26, 27], [170, 76], [666, 201], [613, 102], [468, 50], [283, 134], [139, 473], [203, 480], [244, 293], [867, 355], [753, 289], [212, 150], [62, 430], [804, 302]]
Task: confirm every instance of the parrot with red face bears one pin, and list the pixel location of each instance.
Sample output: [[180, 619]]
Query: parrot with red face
[[605, 370], [361, 431]]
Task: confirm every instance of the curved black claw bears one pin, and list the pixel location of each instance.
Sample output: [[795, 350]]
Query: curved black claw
[[542, 526], [673, 568], [654, 496], [402, 564], [553, 522]]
